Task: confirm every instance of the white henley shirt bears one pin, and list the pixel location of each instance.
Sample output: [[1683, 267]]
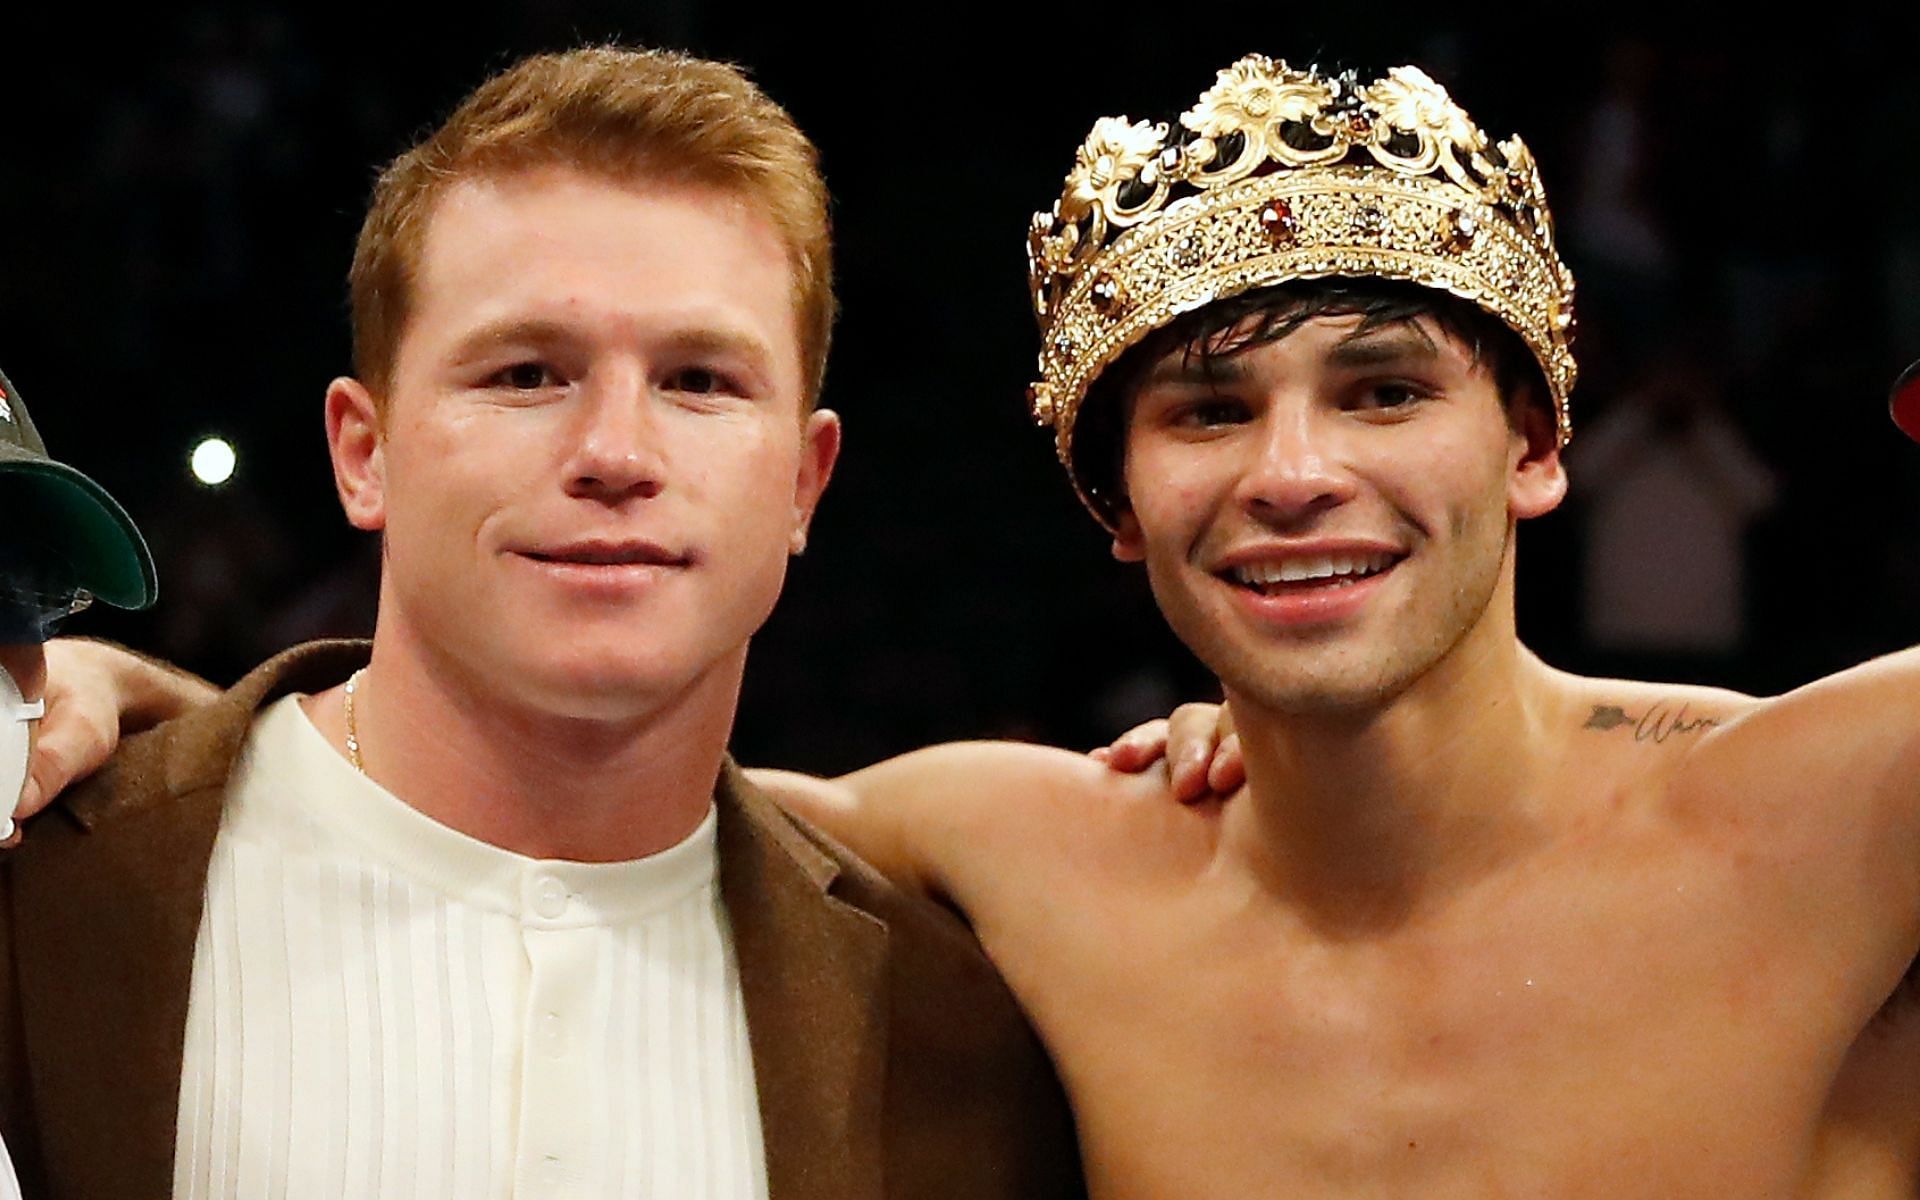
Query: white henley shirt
[[384, 1007]]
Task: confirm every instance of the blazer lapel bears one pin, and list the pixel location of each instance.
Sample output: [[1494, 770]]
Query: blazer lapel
[[813, 975], [108, 896]]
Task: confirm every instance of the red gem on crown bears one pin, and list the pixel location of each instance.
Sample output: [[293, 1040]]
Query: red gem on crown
[[1277, 220]]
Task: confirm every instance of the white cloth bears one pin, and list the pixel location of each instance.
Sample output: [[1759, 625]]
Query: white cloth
[[383, 1006], [9, 1182]]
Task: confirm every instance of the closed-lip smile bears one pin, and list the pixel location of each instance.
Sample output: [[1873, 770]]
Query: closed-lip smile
[[607, 552]]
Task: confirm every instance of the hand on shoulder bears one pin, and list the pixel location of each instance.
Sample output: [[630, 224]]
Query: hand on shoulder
[[95, 693], [1195, 749]]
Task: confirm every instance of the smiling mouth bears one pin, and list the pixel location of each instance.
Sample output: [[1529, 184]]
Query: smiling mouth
[[1309, 572], [608, 556]]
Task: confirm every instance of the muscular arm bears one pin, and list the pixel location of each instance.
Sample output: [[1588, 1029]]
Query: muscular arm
[[1833, 771], [928, 819], [1852, 738], [1191, 756]]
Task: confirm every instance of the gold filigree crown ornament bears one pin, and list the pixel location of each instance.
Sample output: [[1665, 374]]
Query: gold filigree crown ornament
[[1278, 174]]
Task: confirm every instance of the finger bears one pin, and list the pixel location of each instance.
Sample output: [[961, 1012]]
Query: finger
[[1139, 748], [1188, 779], [1192, 732], [64, 753], [1228, 770], [33, 798]]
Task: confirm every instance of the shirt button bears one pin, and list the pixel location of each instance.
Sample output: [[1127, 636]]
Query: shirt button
[[549, 897], [553, 1035]]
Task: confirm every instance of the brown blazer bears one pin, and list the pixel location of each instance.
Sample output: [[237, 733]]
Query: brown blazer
[[891, 1062]]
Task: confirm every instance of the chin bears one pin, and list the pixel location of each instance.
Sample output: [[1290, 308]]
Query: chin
[[1352, 690], [1317, 701], [599, 686]]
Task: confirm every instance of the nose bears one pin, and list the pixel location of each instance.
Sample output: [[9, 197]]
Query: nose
[[617, 451], [1295, 472]]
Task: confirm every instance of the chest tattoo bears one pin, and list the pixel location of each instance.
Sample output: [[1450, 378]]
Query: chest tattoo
[[1654, 724]]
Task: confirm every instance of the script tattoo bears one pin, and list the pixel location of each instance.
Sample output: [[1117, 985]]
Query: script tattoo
[[1656, 725]]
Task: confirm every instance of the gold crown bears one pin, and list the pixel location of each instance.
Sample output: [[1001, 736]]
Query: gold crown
[[1279, 174]]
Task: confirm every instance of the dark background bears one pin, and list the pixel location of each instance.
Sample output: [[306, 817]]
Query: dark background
[[179, 194]]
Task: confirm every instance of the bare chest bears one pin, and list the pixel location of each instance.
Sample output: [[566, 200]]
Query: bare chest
[[1603, 1028]]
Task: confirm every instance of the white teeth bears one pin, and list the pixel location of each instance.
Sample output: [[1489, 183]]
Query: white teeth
[[1298, 570]]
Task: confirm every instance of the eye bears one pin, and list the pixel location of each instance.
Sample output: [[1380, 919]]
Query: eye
[[1212, 412], [525, 377], [703, 381], [1387, 395]]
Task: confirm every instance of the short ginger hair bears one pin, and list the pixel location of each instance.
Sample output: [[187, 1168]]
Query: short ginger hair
[[621, 114]]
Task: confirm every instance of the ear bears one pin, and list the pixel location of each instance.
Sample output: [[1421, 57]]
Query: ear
[[1128, 544], [1536, 478], [819, 450], [354, 438]]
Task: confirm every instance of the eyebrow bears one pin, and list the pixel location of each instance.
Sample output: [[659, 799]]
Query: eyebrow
[[722, 342], [1185, 368], [1377, 347], [504, 331]]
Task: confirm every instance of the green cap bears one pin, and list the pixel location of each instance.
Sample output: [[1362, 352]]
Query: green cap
[[60, 519]]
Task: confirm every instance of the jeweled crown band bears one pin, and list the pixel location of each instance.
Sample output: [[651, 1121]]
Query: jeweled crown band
[[1279, 175]]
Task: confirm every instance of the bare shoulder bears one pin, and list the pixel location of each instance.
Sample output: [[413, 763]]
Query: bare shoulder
[[1808, 796], [1847, 745], [1665, 715], [1668, 752], [1634, 737], [1782, 802], [1712, 751]]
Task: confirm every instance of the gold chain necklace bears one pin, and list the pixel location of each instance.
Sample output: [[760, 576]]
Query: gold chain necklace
[[353, 731]]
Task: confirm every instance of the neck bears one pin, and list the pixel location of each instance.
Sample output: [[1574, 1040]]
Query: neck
[[491, 765], [1364, 820]]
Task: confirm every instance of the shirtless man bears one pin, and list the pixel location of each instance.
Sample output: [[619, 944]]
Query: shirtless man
[[1474, 927]]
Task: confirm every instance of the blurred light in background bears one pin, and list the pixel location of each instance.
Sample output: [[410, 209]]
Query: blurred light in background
[[213, 461]]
